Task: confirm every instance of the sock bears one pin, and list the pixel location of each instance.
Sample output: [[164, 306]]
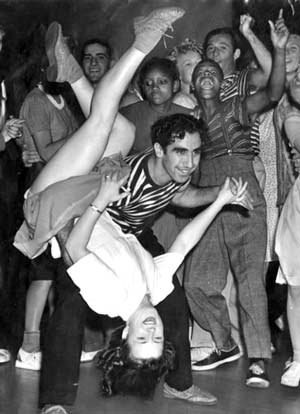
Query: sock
[[31, 341]]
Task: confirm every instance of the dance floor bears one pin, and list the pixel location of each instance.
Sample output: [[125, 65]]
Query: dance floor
[[19, 393]]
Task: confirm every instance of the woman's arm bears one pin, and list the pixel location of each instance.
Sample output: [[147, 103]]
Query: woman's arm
[[232, 192], [109, 192]]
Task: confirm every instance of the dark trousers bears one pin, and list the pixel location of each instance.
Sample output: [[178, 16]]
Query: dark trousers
[[61, 356]]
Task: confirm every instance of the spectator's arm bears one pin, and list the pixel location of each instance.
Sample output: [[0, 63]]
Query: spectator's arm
[[46, 148], [257, 77]]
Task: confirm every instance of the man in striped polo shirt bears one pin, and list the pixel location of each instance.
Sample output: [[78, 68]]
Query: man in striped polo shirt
[[235, 240]]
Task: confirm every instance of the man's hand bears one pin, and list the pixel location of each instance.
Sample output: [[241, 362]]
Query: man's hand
[[30, 157], [246, 22], [279, 32]]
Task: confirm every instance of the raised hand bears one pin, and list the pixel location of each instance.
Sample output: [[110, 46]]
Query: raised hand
[[246, 23], [279, 32], [111, 188]]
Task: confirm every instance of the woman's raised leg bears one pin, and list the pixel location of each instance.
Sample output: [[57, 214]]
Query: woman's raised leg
[[87, 145]]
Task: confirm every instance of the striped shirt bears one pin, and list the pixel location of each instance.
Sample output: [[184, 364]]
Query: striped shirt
[[236, 84], [228, 131], [146, 199]]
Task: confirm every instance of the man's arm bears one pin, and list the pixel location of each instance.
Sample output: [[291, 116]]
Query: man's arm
[[194, 196], [257, 77], [275, 88]]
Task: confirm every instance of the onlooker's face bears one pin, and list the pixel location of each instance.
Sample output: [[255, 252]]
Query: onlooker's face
[[220, 49], [186, 63], [181, 158], [158, 87], [292, 55], [207, 80], [95, 62]]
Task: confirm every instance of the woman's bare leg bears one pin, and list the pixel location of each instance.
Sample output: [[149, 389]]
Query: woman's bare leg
[[81, 152]]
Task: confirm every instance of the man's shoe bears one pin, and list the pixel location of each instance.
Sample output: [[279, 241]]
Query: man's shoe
[[216, 358], [291, 376], [53, 409], [4, 356], [88, 356], [192, 395], [63, 67], [198, 353], [257, 376], [149, 29], [29, 360]]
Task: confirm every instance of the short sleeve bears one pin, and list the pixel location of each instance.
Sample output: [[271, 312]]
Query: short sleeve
[[98, 284], [161, 285]]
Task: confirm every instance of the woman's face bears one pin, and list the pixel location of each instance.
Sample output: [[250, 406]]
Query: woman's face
[[292, 55], [158, 87], [145, 334], [186, 63]]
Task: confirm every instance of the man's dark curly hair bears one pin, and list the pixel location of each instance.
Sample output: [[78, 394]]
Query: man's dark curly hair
[[169, 128], [126, 376]]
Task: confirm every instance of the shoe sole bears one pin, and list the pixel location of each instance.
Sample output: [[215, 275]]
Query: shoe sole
[[171, 397], [53, 32], [290, 384], [22, 365], [257, 383], [216, 364]]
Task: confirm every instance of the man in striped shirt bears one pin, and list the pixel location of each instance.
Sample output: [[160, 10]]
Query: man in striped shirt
[[156, 179], [237, 240]]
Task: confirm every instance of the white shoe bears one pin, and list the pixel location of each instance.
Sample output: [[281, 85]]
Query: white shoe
[[88, 356], [200, 352], [291, 377], [4, 356], [29, 360]]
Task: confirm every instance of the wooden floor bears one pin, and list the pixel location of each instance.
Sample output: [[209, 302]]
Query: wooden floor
[[19, 393]]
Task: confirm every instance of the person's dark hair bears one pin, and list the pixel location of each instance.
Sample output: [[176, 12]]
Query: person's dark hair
[[203, 62], [169, 128], [126, 376], [222, 31], [163, 64], [98, 41]]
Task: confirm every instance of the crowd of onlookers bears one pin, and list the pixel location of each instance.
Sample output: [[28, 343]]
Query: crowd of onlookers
[[229, 291]]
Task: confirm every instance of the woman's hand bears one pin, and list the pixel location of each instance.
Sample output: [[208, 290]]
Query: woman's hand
[[111, 189], [12, 129], [234, 191]]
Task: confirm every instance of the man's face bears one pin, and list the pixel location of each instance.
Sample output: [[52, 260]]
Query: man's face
[[95, 62], [292, 55], [186, 63], [207, 80], [158, 87], [220, 49], [181, 158]]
